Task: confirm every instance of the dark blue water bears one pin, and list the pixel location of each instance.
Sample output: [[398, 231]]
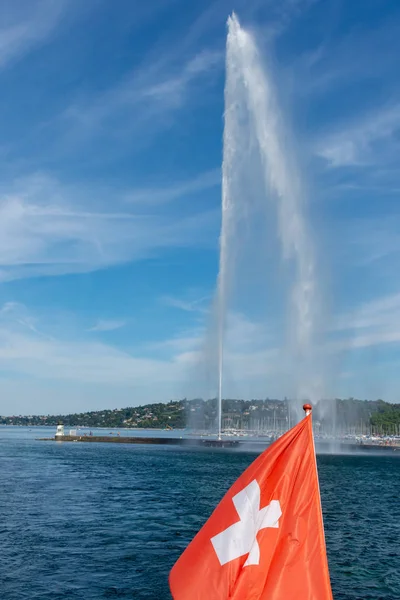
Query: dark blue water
[[93, 521]]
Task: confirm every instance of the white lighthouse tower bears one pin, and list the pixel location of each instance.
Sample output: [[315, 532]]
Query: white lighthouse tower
[[60, 431]]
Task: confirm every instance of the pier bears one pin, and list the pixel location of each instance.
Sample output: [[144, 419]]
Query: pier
[[251, 444], [166, 441]]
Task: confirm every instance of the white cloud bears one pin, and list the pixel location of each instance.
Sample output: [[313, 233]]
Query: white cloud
[[170, 92], [17, 313], [374, 323], [78, 361], [183, 365], [182, 189], [376, 338], [27, 25], [48, 229], [342, 61], [354, 143], [157, 370], [145, 100], [24, 351], [379, 312], [182, 345], [196, 305], [107, 325], [373, 240], [280, 16]]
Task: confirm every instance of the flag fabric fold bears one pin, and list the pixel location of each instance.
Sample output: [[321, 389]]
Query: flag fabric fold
[[265, 539]]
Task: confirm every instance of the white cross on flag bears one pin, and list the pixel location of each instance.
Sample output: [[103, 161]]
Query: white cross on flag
[[265, 540], [241, 538]]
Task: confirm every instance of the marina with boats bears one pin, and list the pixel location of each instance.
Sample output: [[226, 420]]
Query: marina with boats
[[229, 439]]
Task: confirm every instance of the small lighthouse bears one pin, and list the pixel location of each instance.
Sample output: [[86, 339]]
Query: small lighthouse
[[60, 431]]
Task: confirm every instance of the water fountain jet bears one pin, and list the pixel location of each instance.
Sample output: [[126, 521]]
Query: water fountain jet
[[251, 112]]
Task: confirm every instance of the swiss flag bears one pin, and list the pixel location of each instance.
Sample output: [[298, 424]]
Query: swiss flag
[[265, 540]]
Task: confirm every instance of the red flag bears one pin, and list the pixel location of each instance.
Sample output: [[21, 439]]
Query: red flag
[[265, 540]]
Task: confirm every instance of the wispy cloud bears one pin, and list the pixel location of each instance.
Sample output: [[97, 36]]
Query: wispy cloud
[[15, 313], [279, 15], [381, 313], [26, 25], [190, 306], [343, 57], [107, 325], [374, 243], [62, 356], [24, 352], [254, 366], [77, 361], [145, 99], [45, 230], [182, 189], [170, 92], [371, 327], [355, 142], [251, 365]]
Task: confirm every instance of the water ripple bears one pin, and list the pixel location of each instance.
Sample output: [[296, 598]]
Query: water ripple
[[103, 521]]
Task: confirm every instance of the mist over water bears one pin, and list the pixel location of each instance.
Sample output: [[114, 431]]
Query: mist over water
[[265, 235]]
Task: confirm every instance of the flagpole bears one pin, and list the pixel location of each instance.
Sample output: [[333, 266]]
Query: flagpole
[[308, 410]]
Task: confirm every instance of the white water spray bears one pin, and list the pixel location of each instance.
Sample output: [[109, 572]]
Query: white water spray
[[252, 120]]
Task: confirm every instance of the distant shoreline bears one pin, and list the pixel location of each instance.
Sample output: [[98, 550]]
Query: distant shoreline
[[95, 427], [336, 417]]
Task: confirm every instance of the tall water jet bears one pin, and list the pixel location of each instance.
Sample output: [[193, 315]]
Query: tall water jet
[[253, 124]]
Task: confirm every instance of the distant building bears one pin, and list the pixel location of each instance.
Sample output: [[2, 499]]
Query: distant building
[[60, 430]]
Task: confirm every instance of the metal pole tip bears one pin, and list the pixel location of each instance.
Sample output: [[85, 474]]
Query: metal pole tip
[[307, 409]]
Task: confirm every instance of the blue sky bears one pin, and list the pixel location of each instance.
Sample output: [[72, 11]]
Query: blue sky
[[110, 151]]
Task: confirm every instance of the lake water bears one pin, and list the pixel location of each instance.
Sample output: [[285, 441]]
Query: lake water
[[93, 521]]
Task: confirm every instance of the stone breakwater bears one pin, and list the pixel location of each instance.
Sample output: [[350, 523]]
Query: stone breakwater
[[252, 444], [167, 441]]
